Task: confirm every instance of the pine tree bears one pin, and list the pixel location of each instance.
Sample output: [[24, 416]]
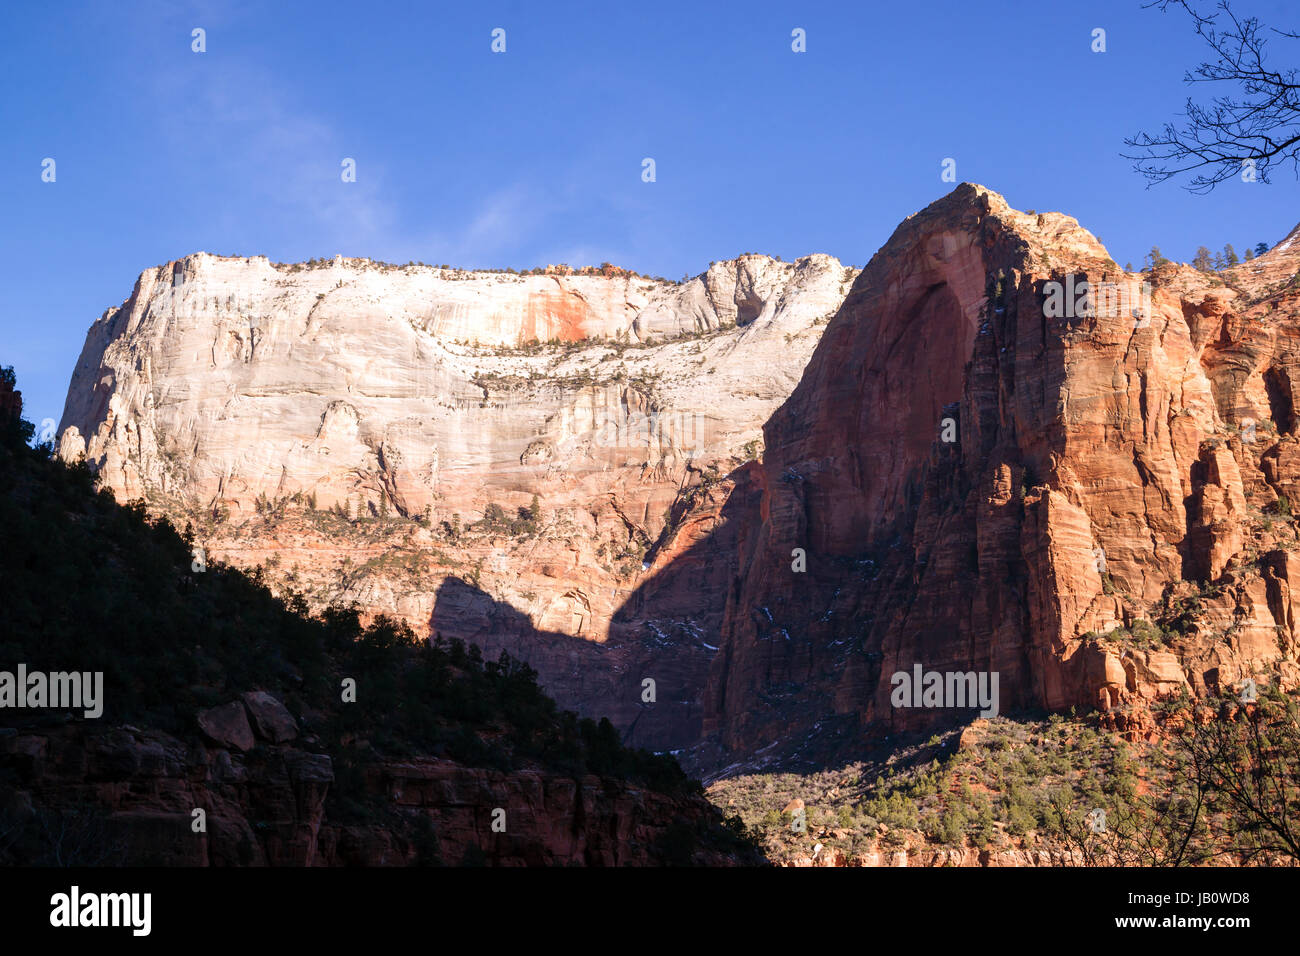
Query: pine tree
[[1230, 255], [1202, 259], [494, 516], [1250, 254], [1261, 248], [1218, 261]]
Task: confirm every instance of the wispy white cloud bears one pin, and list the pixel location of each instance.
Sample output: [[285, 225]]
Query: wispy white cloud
[[518, 224], [282, 157], [504, 218], [277, 156]]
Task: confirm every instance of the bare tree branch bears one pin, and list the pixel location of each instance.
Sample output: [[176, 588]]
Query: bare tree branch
[[1255, 128]]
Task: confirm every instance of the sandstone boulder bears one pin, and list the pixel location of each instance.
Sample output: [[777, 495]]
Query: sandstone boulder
[[271, 719], [227, 725]]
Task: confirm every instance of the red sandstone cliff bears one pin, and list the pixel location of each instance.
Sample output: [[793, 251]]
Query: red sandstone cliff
[[1105, 469]]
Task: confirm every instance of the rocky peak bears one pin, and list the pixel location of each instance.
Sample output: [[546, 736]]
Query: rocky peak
[[740, 291], [985, 482]]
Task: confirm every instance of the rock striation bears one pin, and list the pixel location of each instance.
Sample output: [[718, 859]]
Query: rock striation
[[221, 381]]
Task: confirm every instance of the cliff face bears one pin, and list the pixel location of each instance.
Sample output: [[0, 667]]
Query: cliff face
[[980, 469], [983, 481], [223, 380], [351, 426]]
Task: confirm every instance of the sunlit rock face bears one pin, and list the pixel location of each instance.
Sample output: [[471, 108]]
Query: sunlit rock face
[[260, 402]]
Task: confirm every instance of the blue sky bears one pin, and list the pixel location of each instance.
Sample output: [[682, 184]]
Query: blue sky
[[534, 156]]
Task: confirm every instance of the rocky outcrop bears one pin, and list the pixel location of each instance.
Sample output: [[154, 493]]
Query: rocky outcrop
[[986, 472], [227, 726], [269, 717], [222, 381], [11, 402], [126, 796]]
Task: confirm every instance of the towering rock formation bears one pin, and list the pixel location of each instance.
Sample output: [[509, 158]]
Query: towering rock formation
[[988, 470], [370, 433]]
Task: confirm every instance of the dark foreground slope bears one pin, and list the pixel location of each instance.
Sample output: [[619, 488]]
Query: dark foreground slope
[[226, 738]]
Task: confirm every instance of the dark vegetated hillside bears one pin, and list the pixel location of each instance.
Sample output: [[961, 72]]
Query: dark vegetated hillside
[[87, 584]]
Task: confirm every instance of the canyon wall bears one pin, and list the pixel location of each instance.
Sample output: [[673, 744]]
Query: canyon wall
[[966, 466], [370, 434]]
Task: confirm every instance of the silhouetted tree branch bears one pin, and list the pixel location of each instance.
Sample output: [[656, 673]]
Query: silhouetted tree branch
[[1252, 754], [1224, 785], [1257, 124]]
